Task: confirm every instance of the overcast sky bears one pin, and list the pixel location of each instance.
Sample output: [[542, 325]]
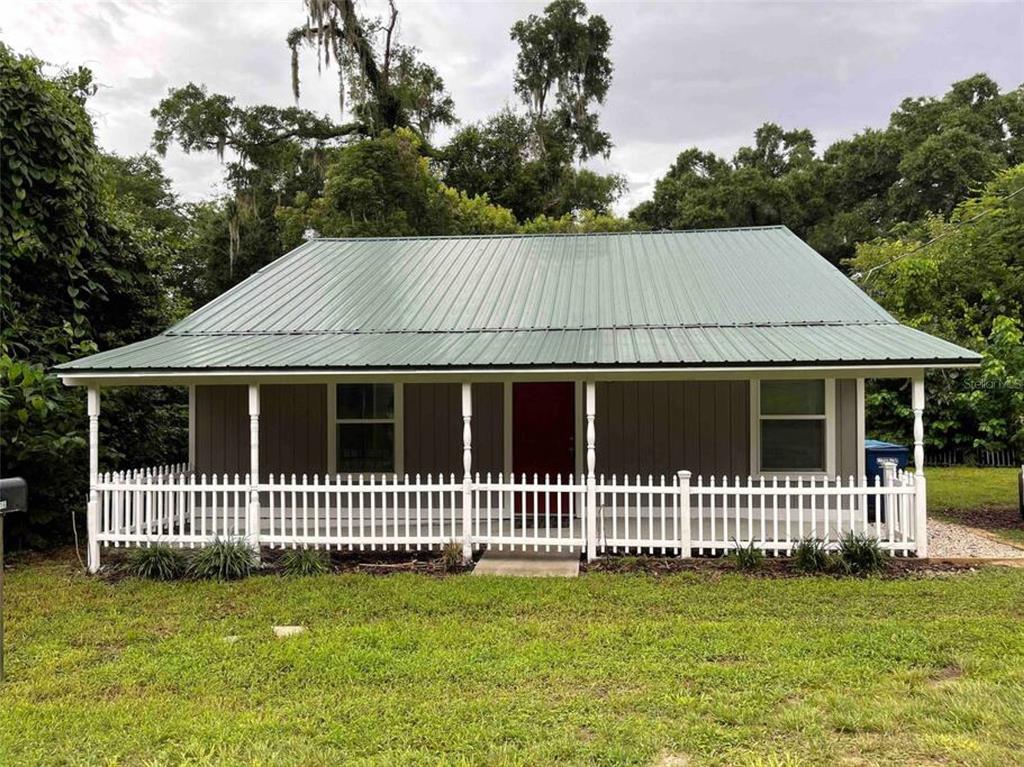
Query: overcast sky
[[686, 73]]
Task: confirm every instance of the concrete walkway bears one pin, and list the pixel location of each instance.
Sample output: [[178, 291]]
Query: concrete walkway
[[528, 564]]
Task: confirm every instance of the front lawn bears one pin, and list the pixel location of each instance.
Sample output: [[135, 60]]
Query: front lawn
[[978, 497], [604, 669]]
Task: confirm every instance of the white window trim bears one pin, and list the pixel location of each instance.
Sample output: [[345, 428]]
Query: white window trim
[[398, 420], [755, 432]]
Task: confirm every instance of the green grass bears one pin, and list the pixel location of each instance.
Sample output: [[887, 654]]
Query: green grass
[[604, 669], [963, 487], [979, 497]]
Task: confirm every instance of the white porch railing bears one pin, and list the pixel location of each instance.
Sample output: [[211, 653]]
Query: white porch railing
[[679, 516]]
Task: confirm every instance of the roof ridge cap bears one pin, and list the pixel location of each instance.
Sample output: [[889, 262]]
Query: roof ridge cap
[[538, 235]]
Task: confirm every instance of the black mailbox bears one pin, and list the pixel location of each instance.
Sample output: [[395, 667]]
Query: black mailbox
[[13, 495]]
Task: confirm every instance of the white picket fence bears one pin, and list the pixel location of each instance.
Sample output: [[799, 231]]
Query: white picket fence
[[680, 515]]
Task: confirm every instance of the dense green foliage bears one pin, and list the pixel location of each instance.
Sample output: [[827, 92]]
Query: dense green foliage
[[966, 286], [82, 267], [603, 669], [384, 187], [157, 563], [810, 556], [933, 153], [748, 557], [226, 559], [860, 554], [302, 562]]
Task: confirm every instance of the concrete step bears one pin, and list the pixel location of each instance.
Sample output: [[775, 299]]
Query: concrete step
[[529, 564]]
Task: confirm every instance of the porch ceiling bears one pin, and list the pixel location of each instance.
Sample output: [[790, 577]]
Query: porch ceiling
[[739, 297]]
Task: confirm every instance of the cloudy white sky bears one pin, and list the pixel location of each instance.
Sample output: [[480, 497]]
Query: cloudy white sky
[[686, 73]]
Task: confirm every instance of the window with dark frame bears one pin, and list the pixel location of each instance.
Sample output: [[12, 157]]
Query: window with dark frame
[[365, 428]]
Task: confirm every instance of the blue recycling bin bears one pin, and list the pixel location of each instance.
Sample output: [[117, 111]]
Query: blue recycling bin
[[875, 449]]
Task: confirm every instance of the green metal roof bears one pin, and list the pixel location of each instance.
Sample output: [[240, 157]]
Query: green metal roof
[[702, 298]]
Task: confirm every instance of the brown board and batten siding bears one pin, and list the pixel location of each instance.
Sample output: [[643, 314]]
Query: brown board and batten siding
[[661, 427], [848, 448], [643, 427], [222, 429], [433, 428], [293, 429]]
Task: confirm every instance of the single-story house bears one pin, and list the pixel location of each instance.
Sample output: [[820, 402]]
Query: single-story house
[[680, 392]]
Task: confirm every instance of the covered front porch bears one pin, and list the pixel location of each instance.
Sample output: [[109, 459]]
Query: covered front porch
[[667, 464]]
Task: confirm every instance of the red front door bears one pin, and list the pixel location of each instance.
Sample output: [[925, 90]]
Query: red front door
[[543, 429]]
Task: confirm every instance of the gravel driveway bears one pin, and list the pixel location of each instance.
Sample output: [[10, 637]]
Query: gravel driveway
[[946, 539]]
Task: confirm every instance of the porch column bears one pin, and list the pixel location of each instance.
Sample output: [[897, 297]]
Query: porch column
[[591, 413], [920, 491], [92, 514], [253, 521], [467, 467]]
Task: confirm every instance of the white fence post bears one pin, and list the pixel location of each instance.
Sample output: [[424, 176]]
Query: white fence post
[[685, 538], [92, 515], [591, 412], [252, 523], [886, 504], [467, 466]]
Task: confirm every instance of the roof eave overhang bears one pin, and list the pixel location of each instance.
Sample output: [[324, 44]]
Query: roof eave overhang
[[796, 369]]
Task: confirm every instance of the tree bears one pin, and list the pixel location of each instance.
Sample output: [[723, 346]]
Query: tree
[[81, 269], [498, 158], [967, 285], [933, 154], [565, 51], [271, 155], [385, 187], [390, 88]]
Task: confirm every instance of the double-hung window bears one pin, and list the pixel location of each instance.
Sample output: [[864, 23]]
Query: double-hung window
[[365, 428], [793, 428]]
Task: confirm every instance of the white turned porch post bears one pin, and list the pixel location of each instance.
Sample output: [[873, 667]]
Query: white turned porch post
[[253, 521], [591, 413], [920, 489], [685, 550], [92, 514], [467, 467]]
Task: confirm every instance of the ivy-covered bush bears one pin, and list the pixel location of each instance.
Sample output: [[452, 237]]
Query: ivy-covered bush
[[80, 271]]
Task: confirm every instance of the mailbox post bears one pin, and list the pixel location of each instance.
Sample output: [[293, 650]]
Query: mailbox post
[[13, 497]]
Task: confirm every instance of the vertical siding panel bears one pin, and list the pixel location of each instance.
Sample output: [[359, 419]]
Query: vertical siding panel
[[739, 435], [602, 424], [660, 417], [413, 408], [488, 404], [847, 448], [452, 428], [691, 421], [645, 430], [630, 446], [433, 428], [222, 427], [677, 425], [706, 405], [293, 436]]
